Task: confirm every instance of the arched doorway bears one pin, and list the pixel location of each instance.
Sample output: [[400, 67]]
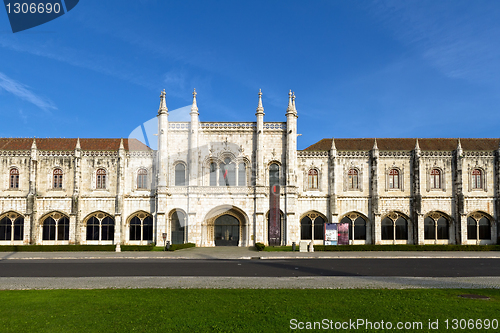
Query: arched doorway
[[226, 230]]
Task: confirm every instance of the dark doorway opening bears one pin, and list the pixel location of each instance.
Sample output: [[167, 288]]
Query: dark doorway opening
[[226, 231]]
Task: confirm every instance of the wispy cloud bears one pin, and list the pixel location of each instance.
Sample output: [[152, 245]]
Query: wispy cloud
[[460, 39], [79, 58], [20, 90]]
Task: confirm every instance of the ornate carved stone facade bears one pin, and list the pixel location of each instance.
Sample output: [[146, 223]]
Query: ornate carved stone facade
[[209, 183]]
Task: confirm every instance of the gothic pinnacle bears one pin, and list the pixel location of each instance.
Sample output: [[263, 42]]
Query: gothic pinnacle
[[333, 147], [260, 107], [290, 103], [194, 107], [163, 103]]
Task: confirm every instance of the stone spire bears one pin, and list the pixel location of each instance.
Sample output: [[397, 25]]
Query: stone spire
[[163, 103], [375, 147], [417, 146], [122, 147], [78, 146], [194, 107], [333, 147], [34, 153], [290, 108], [260, 108], [293, 101], [459, 148]]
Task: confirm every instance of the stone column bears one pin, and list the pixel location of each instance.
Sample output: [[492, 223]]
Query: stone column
[[72, 229], [74, 217], [458, 197], [31, 198], [374, 198], [332, 184], [377, 232], [420, 229], [27, 230], [416, 205], [463, 228]]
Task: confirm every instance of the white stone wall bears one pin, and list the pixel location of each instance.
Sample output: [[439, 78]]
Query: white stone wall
[[121, 199]]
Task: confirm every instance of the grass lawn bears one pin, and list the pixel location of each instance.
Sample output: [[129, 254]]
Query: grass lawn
[[235, 310]]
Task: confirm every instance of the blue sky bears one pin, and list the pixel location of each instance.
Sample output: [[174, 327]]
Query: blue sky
[[358, 68]]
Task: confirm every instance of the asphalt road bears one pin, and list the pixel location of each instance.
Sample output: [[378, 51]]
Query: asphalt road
[[252, 268]]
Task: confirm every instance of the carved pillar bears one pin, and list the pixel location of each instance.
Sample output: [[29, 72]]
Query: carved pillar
[[458, 197], [374, 199]]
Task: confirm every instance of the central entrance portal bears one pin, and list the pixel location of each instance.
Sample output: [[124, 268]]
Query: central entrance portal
[[227, 231]]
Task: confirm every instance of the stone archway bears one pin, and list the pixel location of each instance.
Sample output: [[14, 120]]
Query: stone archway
[[225, 225]]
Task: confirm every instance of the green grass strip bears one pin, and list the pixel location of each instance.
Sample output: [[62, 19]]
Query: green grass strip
[[236, 310]]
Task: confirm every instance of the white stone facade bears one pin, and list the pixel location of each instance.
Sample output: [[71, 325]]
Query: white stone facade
[[209, 184]]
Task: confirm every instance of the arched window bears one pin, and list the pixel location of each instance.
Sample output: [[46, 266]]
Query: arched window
[[14, 178], [319, 228], [231, 173], [387, 229], [477, 179], [484, 228], [180, 174], [55, 229], [19, 228], [394, 230], [107, 228], [213, 174], [274, 174], [142, 179], [352, 179], [359, 228], [100, 228], [178, 227], [394, 179], [227, 175], [11, 227], [57, 178], [436, 229], [5, 229], [442, 226], [141, 228], [312, 179], [478, 227], [93, 229], [306, 228], [401, 228], [49, 229], [429, 228], [357, 231], [242, 174], [471, 228], [435, 179], [135, 229], [100, 179]]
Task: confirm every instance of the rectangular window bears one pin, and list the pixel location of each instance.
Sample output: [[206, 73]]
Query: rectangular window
[[14, 181], [242, 175], [141, 181]]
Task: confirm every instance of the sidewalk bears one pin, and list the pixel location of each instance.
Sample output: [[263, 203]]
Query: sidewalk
[[232, 253]]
